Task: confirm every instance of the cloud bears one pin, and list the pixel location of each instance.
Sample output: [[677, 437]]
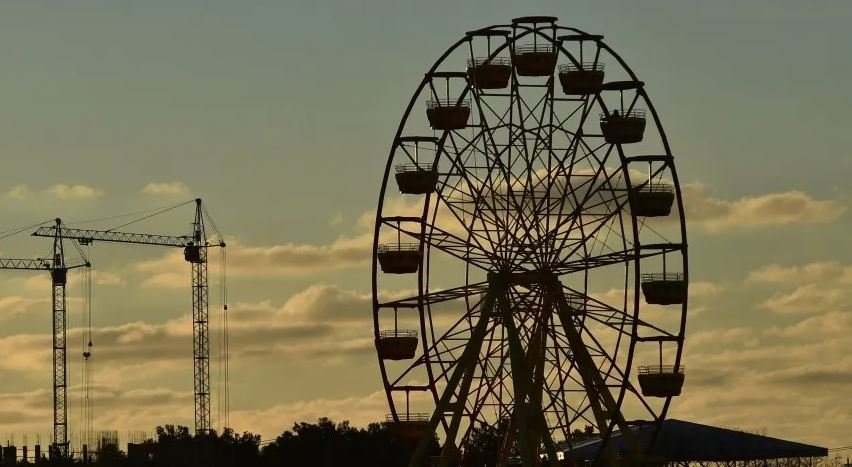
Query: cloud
[[825, 325], [805, 376], [336, 220], [63, 191], [28, 410], [167, 280], [272, 421], [812, 272], [810, 298], [724, 337], [774, 385], [704, 289], [157, 405], [817, 287], [323, 323], [328, 302], [20, 192], [353, 249], [60, 191], [40, 281], [107, 278], [296, 259], [785, 208], [288, 259], [166, 189], [11, 307]]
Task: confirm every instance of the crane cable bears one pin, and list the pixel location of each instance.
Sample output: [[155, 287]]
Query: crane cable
[[224, 347], [224, 396], [212, 223], [125, 215], [87, 368], [15, 231], [156, 213]]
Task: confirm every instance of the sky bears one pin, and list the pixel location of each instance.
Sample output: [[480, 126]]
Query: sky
[[280, 116]]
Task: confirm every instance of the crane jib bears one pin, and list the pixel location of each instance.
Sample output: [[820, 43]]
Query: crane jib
[[88, 236]]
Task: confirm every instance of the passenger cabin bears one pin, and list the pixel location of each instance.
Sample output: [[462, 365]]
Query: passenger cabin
[[399, 258], [448, 114], [414, 179], [489, 73], [652, 200], [408, 427], [397, 344], [534, 60], [664, 288], [582, 79], [661, 381], [623, 127]]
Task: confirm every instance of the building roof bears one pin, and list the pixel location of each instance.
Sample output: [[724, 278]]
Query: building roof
[[680, 441]]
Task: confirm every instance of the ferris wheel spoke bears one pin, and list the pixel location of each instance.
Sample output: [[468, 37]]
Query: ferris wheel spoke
[[621, 380], [482, 207], [487, 390], [491, 190], [438, 296], [614, 318], [560, 404], [582, 207], [548, 195], [602, 402], [564, 375], [597, 224], [584, 215], [450, 244], [578, 141], [442, 350], [482, 105], [518, 133], [617, 257]]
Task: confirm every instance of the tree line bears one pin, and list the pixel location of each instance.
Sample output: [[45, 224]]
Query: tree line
[[321, 444]]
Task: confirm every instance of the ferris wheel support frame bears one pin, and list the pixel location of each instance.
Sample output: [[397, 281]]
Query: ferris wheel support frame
[[602, 402]]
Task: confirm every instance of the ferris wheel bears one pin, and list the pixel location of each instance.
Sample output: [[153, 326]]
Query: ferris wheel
[[530, 255]]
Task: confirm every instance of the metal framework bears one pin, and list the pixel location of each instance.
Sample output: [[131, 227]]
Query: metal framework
[[542, 198], [58, 270], [195, 248]]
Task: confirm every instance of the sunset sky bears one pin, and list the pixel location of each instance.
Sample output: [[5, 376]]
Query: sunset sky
[[280, 115]]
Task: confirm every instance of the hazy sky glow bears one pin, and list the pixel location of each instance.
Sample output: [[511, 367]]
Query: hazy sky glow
[[280, 115]]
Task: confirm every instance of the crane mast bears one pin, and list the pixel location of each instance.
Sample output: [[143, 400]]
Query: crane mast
[[195, 248], [59, 277], [196, 254]]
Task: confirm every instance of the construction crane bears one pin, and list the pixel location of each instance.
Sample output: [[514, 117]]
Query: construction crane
[[195, 248], [58, 269]]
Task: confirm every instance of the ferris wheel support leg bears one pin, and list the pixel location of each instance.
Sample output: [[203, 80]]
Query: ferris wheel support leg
[[601, 400], [527, 401], [464, 369]]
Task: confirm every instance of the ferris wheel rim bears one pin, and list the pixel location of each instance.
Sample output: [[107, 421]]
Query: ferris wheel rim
[[423, 275]]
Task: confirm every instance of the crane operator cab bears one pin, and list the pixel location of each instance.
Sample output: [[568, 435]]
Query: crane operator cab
[[192, 253]]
